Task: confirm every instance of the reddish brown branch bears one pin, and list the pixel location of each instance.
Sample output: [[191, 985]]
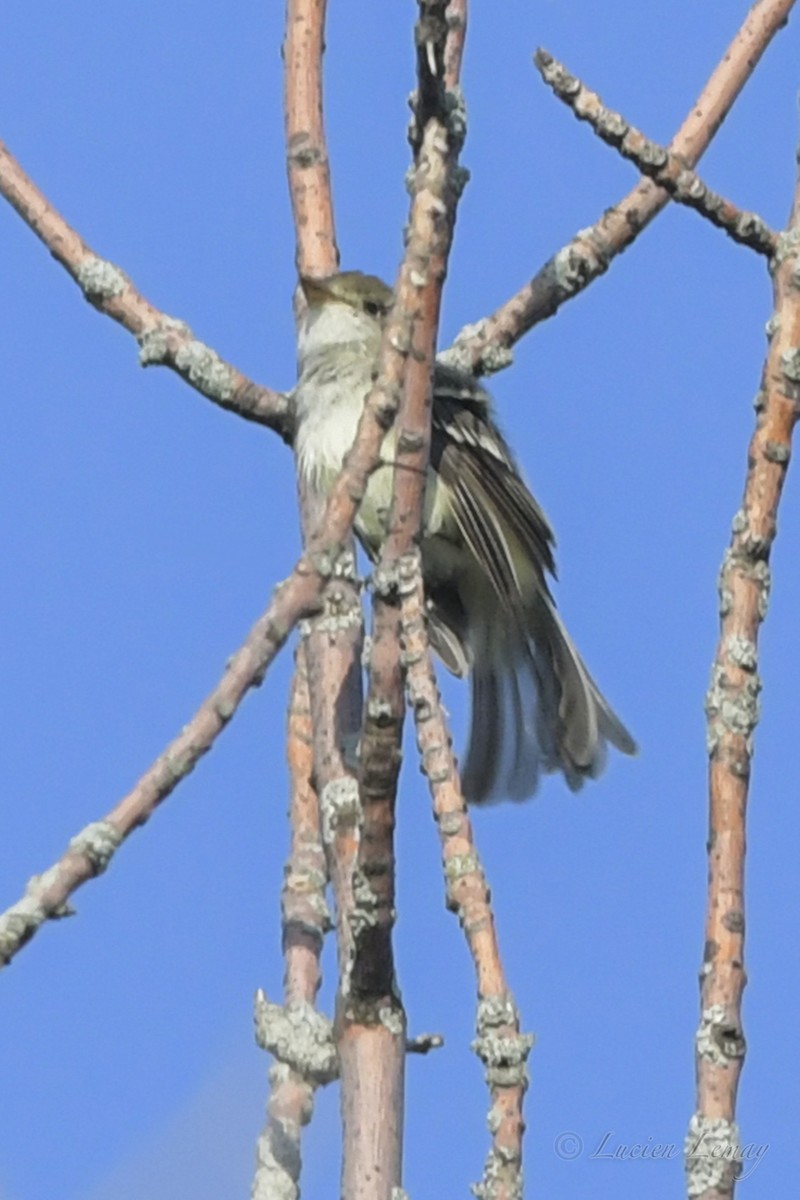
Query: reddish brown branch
[[305, 912], [732, 709], [162, 339], [499, 1043], [485, 346], [456, 18], [90, 852], [305, 922], [332, 647], [306, 149], [333, 644], [667, 169]]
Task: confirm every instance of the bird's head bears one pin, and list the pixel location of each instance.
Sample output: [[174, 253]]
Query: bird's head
[[343, 309]]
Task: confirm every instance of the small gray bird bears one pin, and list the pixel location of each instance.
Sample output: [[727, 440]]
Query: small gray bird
[[486, 551]]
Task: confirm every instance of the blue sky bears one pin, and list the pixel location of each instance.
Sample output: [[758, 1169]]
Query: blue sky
[[144, 530]]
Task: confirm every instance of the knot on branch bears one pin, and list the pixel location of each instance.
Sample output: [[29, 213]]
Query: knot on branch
[[386, 581], [493, 357], [340, 805], [719, 1039], [277, 1165], [303, 151], [370, 909], [572, 268], [502, 1049], [100, 279], [298, 1036], [97, 842], [502, 1175], [787, 246], [205, 370], [555, 74], [303, 903], [790, 365], [753, 568], [712, 1153], [455, 106], [731, 709], [749, 543], [409, 572], [742, 651], [156, 344]]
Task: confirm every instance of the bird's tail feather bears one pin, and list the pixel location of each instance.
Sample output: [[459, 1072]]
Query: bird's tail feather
[[535, 709]]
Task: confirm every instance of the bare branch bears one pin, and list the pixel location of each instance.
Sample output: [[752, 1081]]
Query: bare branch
[[485, 346], [456, 18], [163, 340], [732, 709], [501, 1046], [665, 168], [305, 923], [307, 162], [333, 644], [90, 852]]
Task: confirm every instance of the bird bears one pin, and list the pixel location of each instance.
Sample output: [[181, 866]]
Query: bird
[[487, 551]]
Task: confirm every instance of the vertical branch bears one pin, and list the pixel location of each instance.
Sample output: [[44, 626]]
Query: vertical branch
[[332, 643], [305, 922], [500, 1045], [732, 709], [407, 360], [305, 912], [306, 150]]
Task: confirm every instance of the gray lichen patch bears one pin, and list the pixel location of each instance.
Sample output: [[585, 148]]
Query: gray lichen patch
[[298, 1036], [100, 279]]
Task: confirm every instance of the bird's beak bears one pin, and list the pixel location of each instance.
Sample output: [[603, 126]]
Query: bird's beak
[[314, 290]]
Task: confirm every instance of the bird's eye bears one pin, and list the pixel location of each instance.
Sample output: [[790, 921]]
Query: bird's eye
[[373, 308]]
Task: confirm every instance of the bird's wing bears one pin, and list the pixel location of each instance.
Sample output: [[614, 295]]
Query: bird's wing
[[493, 507]]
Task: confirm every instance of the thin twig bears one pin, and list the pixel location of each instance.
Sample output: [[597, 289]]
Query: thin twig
[[90, 852], [663, 166], [163, 340], [732, 709], [486, 345], [305, 922], [501, 1046]]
